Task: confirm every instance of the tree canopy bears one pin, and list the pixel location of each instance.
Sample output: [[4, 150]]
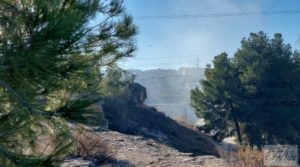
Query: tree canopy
[[50, 55], [255, 93]]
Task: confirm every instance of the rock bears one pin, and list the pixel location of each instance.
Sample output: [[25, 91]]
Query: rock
[[137, 94]]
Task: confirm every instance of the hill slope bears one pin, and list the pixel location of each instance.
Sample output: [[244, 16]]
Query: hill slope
[[148, 122], [137, 151], [142, 136]]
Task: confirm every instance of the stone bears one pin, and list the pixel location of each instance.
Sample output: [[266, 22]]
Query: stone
[[137, 94]]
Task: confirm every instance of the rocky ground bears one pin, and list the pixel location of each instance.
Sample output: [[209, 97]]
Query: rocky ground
[[137, 151]]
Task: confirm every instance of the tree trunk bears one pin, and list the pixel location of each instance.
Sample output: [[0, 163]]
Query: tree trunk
[[236, 123]]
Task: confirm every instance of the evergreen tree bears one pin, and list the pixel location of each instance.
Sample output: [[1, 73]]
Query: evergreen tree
[[260, 83], [216, 100], [50, 54], [268, 74], [115, 82]]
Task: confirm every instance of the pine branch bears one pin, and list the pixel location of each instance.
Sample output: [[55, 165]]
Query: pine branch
[[23, 102]]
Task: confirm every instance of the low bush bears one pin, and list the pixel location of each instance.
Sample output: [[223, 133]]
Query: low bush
[[90, 146], [244, 156]]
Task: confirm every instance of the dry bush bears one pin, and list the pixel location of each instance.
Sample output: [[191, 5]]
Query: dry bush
[[244, 156], [90, 146]]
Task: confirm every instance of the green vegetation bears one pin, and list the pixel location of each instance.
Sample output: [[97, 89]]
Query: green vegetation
[[115, 82], [50, 54], [254, 94]]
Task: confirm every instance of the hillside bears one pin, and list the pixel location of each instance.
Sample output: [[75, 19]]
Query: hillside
[[138, 151], [169, 90], [148, 122], [141, 136]]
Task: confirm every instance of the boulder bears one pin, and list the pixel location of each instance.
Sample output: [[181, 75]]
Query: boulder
[[137, 94]]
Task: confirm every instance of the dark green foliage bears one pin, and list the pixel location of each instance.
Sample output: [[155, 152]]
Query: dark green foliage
[[20, 132], [115, 82], [83, 110], [268, 73], [259, 87], [50, 55], [216, 102]]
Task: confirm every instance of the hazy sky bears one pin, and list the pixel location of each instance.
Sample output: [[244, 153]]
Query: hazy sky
[[173, 43]]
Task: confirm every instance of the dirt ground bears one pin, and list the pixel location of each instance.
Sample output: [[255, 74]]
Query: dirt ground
[[137, 151]]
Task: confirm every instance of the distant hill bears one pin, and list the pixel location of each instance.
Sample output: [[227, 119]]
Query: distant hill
[[169, 90]]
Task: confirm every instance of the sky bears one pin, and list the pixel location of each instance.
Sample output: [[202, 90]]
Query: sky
[[193, 42]]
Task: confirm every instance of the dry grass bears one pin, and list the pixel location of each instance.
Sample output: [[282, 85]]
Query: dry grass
[[244, 156], [90, 146]]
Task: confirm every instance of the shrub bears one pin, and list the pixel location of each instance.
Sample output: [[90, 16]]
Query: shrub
[[244, 156], [90, 146]]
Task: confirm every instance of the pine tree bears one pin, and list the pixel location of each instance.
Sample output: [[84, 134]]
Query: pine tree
[[115, 82], [216, 100], [257, 89], [50, 54], [268, 73]]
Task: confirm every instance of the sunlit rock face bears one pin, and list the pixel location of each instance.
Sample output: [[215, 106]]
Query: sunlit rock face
[[169, 90]]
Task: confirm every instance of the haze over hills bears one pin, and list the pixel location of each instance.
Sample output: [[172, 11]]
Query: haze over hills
[[169, 90]]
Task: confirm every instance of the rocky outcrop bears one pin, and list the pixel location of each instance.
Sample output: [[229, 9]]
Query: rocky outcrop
[[137, 94]]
